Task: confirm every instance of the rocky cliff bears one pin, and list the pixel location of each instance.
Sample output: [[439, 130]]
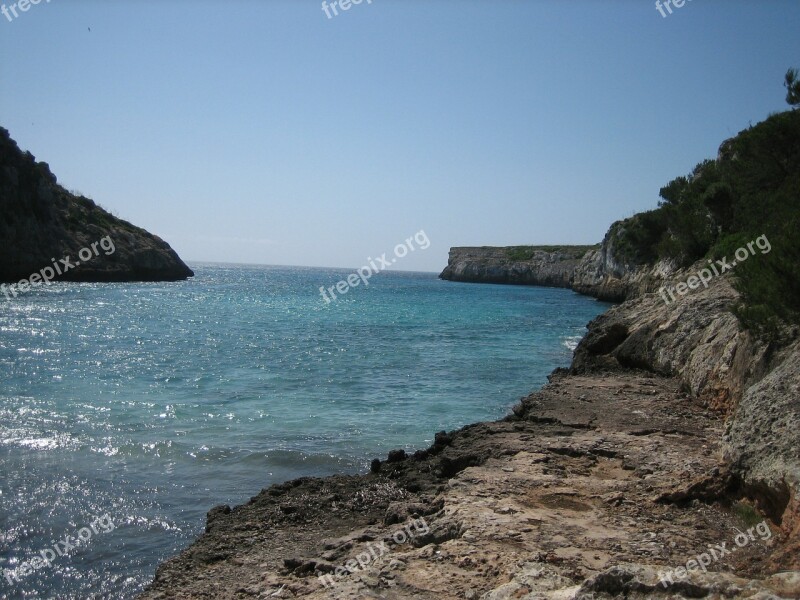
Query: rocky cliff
[[521, 265], [752, 384], [41, 223], [696, 339], [600, 271], [608, 274]]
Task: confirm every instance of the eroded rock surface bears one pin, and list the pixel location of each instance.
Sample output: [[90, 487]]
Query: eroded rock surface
[[597, 486]]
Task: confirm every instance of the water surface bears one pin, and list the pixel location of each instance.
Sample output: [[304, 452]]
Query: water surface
[[151, 403]]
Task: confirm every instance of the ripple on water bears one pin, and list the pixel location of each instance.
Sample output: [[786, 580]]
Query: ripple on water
[[155, 402]]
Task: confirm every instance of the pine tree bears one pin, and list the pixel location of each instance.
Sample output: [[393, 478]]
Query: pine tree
[[792, 85]]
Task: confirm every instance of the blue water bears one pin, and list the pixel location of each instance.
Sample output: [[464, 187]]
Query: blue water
[[151, 403]]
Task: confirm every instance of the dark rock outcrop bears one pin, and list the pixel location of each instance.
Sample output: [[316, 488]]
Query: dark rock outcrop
[[42, 223]]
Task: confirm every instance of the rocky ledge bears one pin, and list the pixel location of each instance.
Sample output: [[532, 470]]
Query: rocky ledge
[[673, 434], [41, 224]]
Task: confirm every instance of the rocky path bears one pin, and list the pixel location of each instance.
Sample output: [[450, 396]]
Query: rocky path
[[594, 488]]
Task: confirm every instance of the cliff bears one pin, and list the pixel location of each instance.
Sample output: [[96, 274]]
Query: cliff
[[41, 223], [608, 274], [600, 271], [520, 265]]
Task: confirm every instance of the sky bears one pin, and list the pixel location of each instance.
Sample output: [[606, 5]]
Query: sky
[[267, 132]]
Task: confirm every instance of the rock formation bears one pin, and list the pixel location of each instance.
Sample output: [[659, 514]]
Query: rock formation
[[551, 267], [751, 383], [41, 223], [599, 271]]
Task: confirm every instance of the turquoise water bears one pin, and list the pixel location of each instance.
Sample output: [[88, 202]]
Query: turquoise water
[[151, 403]]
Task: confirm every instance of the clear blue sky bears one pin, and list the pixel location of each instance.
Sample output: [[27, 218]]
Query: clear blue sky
[[264, 132]]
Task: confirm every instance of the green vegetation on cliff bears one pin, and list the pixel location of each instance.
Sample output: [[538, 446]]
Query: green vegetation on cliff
[[523, 253], [751, 189]]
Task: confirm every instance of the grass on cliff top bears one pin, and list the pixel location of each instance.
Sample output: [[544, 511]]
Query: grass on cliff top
[[83, 211], [521, 253]]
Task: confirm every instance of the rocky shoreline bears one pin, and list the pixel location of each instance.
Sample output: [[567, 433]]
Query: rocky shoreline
[[672, 432]]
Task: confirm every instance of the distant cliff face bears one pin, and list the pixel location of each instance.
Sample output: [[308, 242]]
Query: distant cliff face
[[600, 271], [41, 223], [521, 265]]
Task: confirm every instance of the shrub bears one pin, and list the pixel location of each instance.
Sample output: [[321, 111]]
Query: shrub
[[752, 189]]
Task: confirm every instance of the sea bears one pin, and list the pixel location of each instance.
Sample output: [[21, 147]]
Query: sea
[[129, 410]]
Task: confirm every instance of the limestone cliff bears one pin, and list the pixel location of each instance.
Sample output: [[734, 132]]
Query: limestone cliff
[[763, 444], [41, 222], [522, 265], [601, 271], [608, 274]]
